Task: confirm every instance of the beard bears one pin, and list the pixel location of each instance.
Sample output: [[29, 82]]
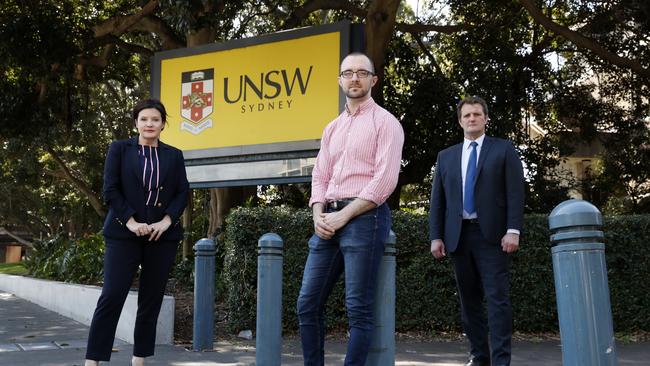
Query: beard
[[358, 92]]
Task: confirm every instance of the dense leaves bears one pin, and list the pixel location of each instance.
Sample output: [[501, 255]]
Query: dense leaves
[[576, 70], [426, 293], [79, 261]]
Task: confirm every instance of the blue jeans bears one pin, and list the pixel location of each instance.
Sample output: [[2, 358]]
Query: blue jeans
[[357, 249]]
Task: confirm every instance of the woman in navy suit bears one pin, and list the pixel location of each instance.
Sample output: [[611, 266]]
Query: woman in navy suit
[[146, 190]]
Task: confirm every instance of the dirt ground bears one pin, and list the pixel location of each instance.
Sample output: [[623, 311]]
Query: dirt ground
[[184, 315]]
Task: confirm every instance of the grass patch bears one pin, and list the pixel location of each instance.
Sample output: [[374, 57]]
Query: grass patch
[[13, 269]]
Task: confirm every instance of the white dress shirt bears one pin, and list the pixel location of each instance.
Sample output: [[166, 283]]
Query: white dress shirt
[[467, 149]]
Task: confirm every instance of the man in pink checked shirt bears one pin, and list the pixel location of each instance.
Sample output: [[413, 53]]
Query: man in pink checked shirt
[[355, 172]]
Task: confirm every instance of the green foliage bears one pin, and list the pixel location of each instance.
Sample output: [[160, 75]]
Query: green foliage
[[62, 259], [244, 226], [183, 272], [628, 253], [426, 293], [13, 269]]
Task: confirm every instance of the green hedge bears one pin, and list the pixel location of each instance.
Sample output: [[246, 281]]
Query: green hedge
[[61, 259], [426, 294]]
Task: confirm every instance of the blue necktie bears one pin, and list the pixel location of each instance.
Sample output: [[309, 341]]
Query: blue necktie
[[470, 176]]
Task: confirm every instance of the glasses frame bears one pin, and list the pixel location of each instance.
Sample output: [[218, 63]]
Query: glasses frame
[[370, 73]]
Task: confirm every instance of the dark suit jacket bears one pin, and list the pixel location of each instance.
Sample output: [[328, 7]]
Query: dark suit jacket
[[125, 195], [498, 192]]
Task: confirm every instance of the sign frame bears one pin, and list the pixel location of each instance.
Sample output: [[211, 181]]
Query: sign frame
[[248, 155]]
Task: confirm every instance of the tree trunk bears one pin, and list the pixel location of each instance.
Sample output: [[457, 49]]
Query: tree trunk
[[221, 201], [380, 24], [187, 224], [83, 187]]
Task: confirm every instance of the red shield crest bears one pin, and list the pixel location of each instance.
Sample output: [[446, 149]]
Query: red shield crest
[[197, 90]]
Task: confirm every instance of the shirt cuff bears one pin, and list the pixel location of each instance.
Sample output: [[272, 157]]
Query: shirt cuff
[[371, 198], [316, 200], [513, 231]]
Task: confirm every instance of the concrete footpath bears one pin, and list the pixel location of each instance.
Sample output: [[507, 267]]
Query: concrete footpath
[[33, 336]]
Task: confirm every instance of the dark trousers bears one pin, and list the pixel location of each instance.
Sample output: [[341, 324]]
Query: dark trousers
[[121, 261], [482, 272], [356, 249]]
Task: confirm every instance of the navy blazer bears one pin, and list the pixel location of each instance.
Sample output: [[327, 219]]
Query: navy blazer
[[498, 192], [124, 192]]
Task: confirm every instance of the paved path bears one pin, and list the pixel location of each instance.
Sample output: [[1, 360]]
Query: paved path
[[33, 336]]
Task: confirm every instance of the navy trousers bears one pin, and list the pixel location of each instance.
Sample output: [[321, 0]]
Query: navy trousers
[[482, 272], [121, 261]]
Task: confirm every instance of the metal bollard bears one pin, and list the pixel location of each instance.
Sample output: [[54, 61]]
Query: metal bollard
[[204, 278], [268, 337], [583, 304], [382, 348]]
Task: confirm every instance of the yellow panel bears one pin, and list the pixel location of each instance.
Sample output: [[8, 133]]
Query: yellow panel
[[276, 92]]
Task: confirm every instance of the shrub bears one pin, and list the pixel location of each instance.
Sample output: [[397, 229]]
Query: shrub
[[426, 293], [62, 259]]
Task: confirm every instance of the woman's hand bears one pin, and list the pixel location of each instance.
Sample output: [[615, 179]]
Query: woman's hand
[[138, 228], [159, 227]]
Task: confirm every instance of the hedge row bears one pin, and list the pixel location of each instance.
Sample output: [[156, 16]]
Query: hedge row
[[426, 294]]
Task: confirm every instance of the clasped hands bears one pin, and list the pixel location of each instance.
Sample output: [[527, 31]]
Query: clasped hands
[[326, 224], [154, 230]]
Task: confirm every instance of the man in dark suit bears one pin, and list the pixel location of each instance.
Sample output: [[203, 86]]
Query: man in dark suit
[[477, 205]]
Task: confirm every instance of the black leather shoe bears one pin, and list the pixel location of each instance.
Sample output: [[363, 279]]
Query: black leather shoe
[[477, 362]]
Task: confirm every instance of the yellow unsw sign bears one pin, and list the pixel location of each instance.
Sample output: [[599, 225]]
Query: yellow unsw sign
[[265, 93]]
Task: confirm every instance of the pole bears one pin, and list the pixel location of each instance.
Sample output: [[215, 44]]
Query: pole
[[583, 304], [268, 337], [382, 348], [204, 278]]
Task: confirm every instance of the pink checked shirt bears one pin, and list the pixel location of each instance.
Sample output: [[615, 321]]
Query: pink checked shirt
[[360, 156]]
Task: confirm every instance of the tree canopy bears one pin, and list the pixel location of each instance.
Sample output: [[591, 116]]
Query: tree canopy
[[72, 69]]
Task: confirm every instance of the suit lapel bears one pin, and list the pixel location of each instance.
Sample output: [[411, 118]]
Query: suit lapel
[[457, 163], [457, 170], [487, 143], [164, 159], [133, 159]]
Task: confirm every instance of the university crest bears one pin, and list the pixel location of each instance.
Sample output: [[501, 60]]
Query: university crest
[[197, 100]]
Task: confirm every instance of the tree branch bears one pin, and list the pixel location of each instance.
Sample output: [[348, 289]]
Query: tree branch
[[582, 41], [118, 25], [16, 237], [422, 28], [133, 48], [302, 12], [309, 7], [153, 24], [94, 200], [428, 53], [100, 60]]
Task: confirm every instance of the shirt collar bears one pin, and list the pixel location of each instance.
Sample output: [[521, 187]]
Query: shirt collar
[[479, 141], [363, 107]]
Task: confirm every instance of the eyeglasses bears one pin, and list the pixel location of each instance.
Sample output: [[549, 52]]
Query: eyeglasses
[[361, 74]]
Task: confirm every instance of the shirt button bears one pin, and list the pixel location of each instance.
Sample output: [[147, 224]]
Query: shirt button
[[159, 204], [160, 188]]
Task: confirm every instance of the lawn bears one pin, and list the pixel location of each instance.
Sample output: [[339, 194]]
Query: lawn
[[13, 268]]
